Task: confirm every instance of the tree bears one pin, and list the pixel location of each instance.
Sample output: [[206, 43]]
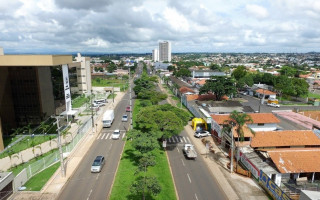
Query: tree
[[44, 127], [288, 71], [183, 72], [239, 72], [220, 86], [143, 142], [215, 67], [146, 186], [300, 86], [171, 68]]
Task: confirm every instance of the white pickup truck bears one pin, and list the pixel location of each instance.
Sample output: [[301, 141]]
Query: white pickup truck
[[189, 151]]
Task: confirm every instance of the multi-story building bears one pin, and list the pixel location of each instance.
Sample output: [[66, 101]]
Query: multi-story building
[[32, 87], [155, 55], [165, 51], [83, 74]]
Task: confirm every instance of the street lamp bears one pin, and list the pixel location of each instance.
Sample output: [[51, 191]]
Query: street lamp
[[60, 147]]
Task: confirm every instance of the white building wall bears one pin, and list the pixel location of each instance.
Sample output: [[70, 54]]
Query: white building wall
[[155, 55], [265, 127], [83, 74], [164, 51]]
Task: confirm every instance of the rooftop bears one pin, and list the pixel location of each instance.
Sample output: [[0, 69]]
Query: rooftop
[[265, 118], [34, 60], [264, 91], [285, 138]]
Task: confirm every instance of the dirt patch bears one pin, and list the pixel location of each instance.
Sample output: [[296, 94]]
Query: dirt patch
[[33, 196]]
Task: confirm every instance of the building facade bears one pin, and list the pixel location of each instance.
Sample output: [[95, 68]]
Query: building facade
[[155, 55], [165, 51], [83, 74]]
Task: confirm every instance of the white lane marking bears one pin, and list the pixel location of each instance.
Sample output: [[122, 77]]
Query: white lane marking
[[170, 140], [107, 135], [97, 177], [103, 136], [173, 140], [185, 141], [110, 146], [110, 136], [179, 139], [188, 139], [196, 196], [98, 136], [183, 162], [123, 135], [178, 150], [89, 194], [189, 178]]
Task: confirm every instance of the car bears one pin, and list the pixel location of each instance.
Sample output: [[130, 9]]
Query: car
[[273, 105], [200, 134], [128, 109], [116, 134], [124, 118], [97, 164]]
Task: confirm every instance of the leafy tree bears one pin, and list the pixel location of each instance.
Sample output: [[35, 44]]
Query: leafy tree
[[171, 68], [284, 85], [288, 71], [44, 127], [301, 87], [143, 142], [220, 86], [215, 67], [182, 72], [239, 72], [146, 186]]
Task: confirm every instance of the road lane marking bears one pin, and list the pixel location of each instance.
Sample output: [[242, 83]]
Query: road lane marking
[[173, 139], [183, 162], [178, 139], [110, 146], [89, 194], [184, 139], [98, 136], [196, 196], [103, 136], [178, 150], [107, 135], [123, 135], [170, 140], [189, 178], [110, 136], [97, 177], [188, 139]]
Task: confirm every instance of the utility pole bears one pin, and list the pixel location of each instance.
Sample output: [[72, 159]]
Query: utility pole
[[63, 173], [232, 146], [92, 109]]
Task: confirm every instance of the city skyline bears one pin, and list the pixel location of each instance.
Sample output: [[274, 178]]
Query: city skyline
[[107, 26]]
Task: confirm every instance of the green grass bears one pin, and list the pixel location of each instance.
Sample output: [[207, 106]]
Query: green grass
[[111, 96], [99, 82], [125, 176], [39, 180], [27, 143], [312, 95], [10, 139], [77, 103]]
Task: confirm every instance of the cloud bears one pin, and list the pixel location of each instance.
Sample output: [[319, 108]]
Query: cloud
[[256, 11]]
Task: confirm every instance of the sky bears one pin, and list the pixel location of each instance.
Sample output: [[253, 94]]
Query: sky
[[137, 26]]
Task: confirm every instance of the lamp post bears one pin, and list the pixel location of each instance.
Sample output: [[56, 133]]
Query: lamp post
[[63, 173], [130, 100], [92, 109]]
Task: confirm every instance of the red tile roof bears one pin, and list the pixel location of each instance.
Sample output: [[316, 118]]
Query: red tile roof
[[284, 138], [264, 91], [185, 90], [266, 118], [296, 160]]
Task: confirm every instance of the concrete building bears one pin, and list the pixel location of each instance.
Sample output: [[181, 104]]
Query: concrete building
[[32, 87], [165, 51], [83, 74], [155, 55]]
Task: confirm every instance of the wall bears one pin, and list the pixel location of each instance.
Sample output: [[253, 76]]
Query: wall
[[265, 127], [46, 90]]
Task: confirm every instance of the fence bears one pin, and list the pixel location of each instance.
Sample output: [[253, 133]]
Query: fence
[[52, 158]]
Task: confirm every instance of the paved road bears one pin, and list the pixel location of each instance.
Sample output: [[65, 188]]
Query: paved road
[[192, 177], [86, 185]]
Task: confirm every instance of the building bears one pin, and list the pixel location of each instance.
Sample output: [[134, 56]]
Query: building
[[32, 88], [165, 51], [155, 55], [83, 74]]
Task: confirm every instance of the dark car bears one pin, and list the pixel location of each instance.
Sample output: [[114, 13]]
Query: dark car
[[97, 164]]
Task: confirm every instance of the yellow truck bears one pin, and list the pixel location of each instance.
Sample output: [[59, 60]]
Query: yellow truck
[[275, 101], [199, 124]]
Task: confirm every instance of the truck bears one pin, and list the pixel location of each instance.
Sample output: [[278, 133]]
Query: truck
[[107, 119], [189, 151]]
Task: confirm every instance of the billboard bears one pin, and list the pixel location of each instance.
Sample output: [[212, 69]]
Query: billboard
[[66, 86], [253, 169], [271, 187]]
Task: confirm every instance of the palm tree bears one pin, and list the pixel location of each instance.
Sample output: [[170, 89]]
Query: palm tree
[[237, 121]]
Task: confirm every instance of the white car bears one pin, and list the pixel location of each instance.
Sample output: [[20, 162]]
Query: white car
[[200, 134], [124, 118], [273, 105], [116, 134]]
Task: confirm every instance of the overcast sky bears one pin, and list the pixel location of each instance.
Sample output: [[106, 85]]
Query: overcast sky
[[136, 26]]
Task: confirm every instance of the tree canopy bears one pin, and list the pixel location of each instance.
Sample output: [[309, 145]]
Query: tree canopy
[[239, 72], [220, 86]]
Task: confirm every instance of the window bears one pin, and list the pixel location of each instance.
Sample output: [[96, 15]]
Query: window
[[260, 124]]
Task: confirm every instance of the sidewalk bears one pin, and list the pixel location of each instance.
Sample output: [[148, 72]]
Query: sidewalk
[[234, 186], [55, 185]]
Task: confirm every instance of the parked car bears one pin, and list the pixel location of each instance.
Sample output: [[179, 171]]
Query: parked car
[[116, 134], [200, 134], [128, 109], [97, 164], [124, 118], [273, 105]]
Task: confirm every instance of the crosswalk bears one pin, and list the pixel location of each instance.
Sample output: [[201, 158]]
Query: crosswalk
[[108, 135], [178, 139], [173, 140]]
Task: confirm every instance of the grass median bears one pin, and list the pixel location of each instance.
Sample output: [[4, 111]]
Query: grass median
[[126, 176]]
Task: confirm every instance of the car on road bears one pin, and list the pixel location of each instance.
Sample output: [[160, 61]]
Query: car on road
[[116, 134], [273, 105], [128, 109], [124, 118], [200, 134], [97, 164]]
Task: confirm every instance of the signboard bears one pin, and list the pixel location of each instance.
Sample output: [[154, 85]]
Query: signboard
[[271, 187], [253, 169], [66, 86], [164, 143]]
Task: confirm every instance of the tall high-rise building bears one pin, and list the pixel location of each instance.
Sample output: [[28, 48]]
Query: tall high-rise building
[[164, 51], [155, 55]]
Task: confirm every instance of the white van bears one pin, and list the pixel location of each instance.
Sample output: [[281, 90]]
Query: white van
[[108, 118]]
